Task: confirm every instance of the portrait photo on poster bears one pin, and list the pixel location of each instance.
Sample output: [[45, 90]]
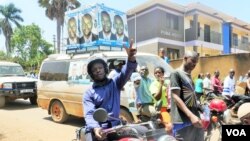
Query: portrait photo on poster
[[71, 19], [120, 27], [73, 71], [112, 27], [88, 26], [105, 32]]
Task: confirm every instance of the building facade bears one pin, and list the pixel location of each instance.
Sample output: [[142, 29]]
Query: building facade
[[163, 24]]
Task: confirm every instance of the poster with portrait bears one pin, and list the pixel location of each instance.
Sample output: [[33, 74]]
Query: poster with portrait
[[88, 27], [78, 72], [112, 27], [96, 27], [72, 25]]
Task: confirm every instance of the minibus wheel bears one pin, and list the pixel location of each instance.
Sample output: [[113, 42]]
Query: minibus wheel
[[58, 112]]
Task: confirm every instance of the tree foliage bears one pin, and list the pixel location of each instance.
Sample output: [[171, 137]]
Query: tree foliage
[[10, 16], [29, 47], [55, 9]]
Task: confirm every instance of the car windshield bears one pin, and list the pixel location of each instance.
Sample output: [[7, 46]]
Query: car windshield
[[11, 71], [151, 62]]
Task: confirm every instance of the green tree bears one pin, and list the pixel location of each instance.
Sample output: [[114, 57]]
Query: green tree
[[4, 56], [30, 49], [10, 15], [55, 9]]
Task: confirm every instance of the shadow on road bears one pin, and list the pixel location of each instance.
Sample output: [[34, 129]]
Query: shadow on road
[[1, 136], [18, 105], [72, 121]]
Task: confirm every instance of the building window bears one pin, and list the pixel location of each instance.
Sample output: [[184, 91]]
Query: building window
[[173, 53], [172, 21], [235, 39], [207, 33], [244, 40]]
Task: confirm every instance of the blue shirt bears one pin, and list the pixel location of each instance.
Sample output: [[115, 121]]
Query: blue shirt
[[199, 85], [143, 94], [107, 97]]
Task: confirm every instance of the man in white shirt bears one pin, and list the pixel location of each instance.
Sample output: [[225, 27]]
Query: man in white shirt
[[118, 67], [207, 84], [229, 90], [229, 84]]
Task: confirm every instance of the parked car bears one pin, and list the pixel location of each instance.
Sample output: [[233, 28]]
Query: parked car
[[14, 84], [63, 79]]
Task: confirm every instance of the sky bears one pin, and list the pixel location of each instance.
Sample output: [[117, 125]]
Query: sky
[[32, 13]]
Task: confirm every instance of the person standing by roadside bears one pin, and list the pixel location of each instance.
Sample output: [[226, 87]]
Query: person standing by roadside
[[199, 86], [158, 89], [207, 84], [216, 83], [184, 108], [162, 53], [144, 99]]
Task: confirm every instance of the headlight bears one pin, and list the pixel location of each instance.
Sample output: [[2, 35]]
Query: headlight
[[7, 85]]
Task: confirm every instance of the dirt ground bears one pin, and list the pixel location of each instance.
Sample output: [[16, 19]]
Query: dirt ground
[[20, 121]]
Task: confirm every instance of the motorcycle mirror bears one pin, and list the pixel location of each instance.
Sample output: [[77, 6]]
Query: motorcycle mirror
[[100, 115], [158, 105]]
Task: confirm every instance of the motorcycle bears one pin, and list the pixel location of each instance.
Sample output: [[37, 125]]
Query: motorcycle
[[144, 131], [216, 108]]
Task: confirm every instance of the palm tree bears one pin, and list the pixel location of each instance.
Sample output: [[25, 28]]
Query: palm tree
[[10, 15], [55, 9]]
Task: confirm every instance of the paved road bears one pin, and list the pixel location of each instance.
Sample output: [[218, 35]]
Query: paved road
[[20, 121]]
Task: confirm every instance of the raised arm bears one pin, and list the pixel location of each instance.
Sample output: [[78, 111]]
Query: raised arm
[[128, 68]]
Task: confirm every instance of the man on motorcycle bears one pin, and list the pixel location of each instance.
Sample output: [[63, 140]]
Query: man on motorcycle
[[184, 107], [105, 93], [244, 113], [229, 91]]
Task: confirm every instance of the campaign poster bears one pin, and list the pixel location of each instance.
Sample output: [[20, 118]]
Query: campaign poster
[[96, 28], [88, 27], [112, 27], [72, 24], [78, 72]]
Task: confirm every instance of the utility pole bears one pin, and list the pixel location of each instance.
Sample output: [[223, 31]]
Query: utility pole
[[54, 41]]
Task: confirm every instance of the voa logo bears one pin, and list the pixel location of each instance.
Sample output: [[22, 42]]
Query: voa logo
[[236, 132]]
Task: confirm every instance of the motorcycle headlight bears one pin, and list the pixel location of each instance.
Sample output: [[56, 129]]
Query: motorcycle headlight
[[7, 85]]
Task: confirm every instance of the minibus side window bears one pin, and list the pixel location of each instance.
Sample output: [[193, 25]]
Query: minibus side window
[[54, 71]]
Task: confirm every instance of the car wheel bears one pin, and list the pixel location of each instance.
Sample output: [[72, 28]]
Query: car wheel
[[33, 100], [2, 101], [58, 112], [126, 115]]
